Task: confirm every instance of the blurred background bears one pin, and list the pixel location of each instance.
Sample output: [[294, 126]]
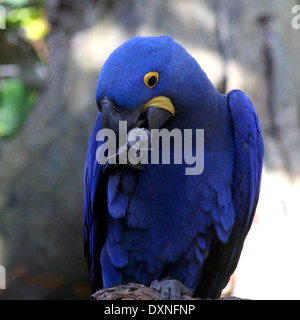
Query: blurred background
[[51, 53]]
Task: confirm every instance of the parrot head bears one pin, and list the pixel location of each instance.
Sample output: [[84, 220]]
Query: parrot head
[[147, 81]]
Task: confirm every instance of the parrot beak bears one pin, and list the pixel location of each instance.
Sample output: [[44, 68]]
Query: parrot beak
[[112, 115], [151, 115], [158, 110], [156, 117]]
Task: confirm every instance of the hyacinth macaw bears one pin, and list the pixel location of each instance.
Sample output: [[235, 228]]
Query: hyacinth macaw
[[158, 226]]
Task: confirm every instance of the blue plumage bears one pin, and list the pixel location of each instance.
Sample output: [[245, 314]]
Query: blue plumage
[[142, 225]]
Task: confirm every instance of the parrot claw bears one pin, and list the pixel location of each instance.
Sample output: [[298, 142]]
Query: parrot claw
[[171, 289]]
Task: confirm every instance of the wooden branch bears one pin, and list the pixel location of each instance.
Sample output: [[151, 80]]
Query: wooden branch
[[136, 291]]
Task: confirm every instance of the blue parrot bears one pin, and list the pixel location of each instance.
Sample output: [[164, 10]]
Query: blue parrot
[[154, 224]]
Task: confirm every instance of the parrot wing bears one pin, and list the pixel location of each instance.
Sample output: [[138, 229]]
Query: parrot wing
[[94, 208], [248, 155]]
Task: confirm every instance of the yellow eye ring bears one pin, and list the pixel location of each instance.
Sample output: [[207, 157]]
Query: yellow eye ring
[[151, 79]]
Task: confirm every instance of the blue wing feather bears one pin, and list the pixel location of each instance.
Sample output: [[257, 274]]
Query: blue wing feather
[[105, 202], [94, 204], [113, 276], [248, 156]]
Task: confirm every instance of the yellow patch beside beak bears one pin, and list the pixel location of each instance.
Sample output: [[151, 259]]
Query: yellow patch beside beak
[[160, 102]]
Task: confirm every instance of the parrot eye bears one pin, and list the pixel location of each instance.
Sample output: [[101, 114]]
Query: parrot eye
[[151, 79]]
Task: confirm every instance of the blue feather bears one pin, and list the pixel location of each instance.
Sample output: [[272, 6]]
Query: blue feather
[[117, 209], [113, 186], [115, 228], [113, 276], [117, 253]]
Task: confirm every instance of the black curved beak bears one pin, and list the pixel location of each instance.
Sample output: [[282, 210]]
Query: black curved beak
[[156, 117], [112, 115], [153, 118]]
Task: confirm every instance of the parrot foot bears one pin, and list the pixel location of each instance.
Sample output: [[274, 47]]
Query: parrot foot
[[171, 289]]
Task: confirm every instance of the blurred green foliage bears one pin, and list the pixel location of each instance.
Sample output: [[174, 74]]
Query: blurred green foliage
[[31, 20], [16, 100], [30, 16], [15, 104], [23, 3]]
